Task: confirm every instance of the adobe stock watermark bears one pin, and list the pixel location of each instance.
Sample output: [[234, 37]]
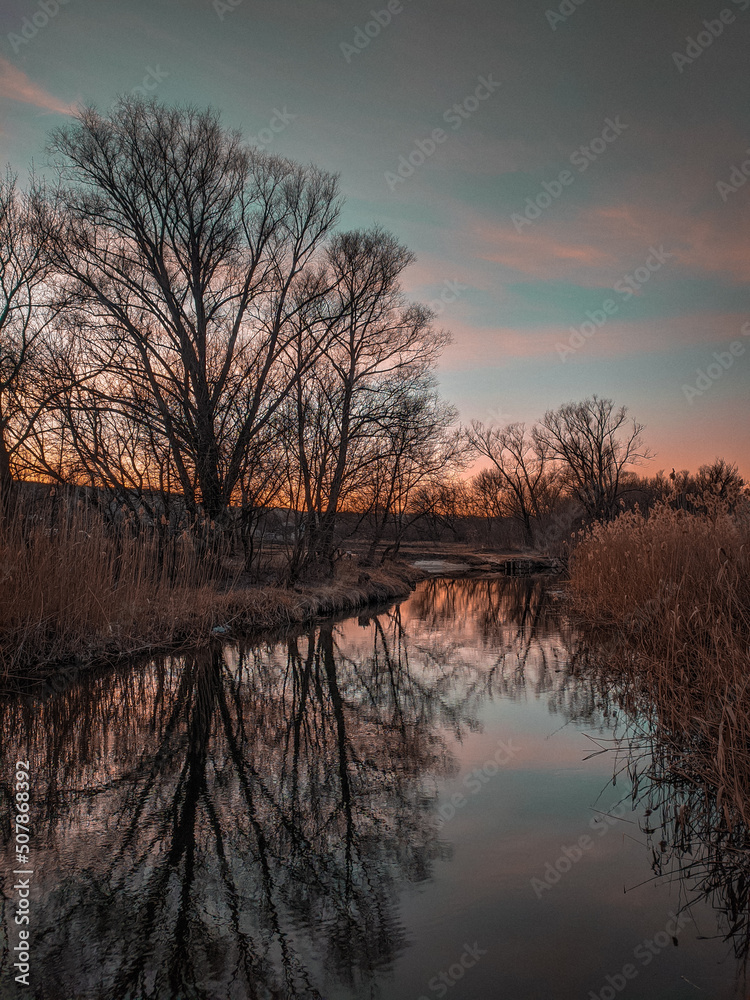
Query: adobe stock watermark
[[696, 45], [626, 287], [644, 955], [723, 361], [224, 7], [442, 982], [280, 120], [45, 11], [451, 292], [152, 79], [363, 36], [737, 179], [497, 415], [455, 116], [572, 854], [22, 886], [474, 782], [581, 159], [566, 9]]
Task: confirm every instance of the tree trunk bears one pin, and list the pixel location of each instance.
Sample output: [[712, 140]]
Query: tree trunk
[[7, 486]]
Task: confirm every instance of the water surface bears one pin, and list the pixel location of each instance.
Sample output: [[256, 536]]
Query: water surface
[[401, 805]]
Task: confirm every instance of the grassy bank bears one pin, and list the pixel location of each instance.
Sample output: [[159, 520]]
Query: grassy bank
[[667, 599], [74, 593]]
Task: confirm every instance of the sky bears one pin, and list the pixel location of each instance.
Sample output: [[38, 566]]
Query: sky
[[569, 175]]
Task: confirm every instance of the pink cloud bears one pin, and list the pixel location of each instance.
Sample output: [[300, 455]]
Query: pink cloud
[[15, 85], [597, 246], [425, 279], [492, 345]]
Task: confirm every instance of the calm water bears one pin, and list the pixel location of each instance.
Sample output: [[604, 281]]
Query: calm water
[[399, 806]]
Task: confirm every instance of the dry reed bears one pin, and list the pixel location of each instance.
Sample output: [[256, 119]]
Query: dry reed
[[74, 590], [673, 589]]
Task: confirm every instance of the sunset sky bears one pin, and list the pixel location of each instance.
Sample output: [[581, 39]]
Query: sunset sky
[[645, 228]]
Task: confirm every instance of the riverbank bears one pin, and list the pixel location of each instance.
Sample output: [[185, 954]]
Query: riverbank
[[76, 590], [190, 616], [464, 559]]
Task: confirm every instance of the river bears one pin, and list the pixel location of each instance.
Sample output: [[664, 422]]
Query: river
[[424, 801]]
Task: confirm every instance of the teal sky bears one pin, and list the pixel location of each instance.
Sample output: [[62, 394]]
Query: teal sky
[[533, 86]]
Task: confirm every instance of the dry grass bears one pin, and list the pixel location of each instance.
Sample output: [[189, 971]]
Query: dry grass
[[674, 589], [74, 592]]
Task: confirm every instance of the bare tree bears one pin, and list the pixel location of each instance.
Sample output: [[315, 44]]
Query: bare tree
[[27, 308], [596, 443], [528, 485], [484, 500], [379, 350], [417, 452], [188, 252]]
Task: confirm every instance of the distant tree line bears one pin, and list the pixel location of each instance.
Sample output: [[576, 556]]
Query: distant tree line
[[189, 341], [578, 465]]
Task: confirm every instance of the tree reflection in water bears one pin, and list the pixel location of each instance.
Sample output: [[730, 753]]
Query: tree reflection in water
[[234, 822], [241, 822], [534, 651], [694, 840]]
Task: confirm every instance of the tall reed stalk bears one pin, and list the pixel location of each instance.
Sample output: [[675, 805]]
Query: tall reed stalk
[[76, 588], [673, 589], [70, 581]]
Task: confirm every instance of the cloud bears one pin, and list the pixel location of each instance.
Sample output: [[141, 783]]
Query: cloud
[[15, 85], [593, 246], [492, 346]]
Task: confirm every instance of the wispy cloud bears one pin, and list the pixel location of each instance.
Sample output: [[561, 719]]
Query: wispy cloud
[[15, 85], [588, 244], [490, 346]]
